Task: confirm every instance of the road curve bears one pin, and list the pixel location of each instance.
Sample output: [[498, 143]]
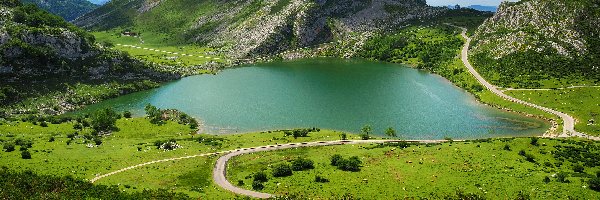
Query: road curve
[[569, 122], [220, 170]]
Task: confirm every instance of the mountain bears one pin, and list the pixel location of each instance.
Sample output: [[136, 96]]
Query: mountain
[[483, 8], [249, 27], [42, 53], [67, 9], [533, 42]]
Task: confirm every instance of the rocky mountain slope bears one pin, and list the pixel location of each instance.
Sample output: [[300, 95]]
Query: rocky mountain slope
[[68, 9], [247, 27], [42, 53], [528, 42]]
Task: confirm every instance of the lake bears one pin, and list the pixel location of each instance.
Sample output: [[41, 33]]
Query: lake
[[333, 94]]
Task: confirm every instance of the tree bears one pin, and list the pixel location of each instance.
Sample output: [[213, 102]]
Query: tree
[[390, 132], [282, 170], [104, 120], [366, 130], [344, 136], [154, 114], [25, 154]]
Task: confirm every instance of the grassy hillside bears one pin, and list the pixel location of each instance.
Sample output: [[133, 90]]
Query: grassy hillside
[[251, 27], [538, 43], [67, 9], [47, 63]]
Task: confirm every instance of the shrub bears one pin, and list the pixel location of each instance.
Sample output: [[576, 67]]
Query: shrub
[[240, 183], [562, 177], [598, 174], [344, 136], [507, 147], [534, 141], [154, 114], [335, 159], [257, 185], [24, 143], [51, 139], [352, 164], [594, 184], [261, 177], [25, 154], [546, 179], [578, 168], [97, 141], [300, 164], [282, 170], [127, 114], [43, 124], [71, 135], [522, 153], [320, 179], [364, 136], [9, 147]]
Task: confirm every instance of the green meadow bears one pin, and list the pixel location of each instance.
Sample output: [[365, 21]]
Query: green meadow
[[483, 169], [581, 103]]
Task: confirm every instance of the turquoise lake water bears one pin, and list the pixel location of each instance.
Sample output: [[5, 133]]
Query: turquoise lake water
[[331, 94]]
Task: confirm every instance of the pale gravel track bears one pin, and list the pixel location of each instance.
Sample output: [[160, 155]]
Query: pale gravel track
[[569, 122]]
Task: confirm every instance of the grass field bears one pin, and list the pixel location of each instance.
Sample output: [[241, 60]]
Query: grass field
[[154, 49], [482, 169], [581, 103], [133, 144]]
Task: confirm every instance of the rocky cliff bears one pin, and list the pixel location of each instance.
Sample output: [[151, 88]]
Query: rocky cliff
[[537, 39]]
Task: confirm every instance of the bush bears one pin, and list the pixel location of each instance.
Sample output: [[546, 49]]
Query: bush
[[300, 164], [320, 179], [154, 114], [594, 184], [335, 159], [547, 179], [51, 139], [344, 136], [282, 170], [24, 143], [578, 168], [507, 147], [364, 136], [240, 183], [43, 124], [261, 177], [9, 147], [127, 114], [25, 154], [352, 164], [97, 141], [562, 177], [104, 120], [534, 141], [257, 185]]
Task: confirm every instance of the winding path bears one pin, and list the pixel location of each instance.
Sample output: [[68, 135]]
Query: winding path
[[569, 122]]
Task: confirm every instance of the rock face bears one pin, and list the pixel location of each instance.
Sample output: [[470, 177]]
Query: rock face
[[533, 25], [247, 27], [527, 43], [37, 48]]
